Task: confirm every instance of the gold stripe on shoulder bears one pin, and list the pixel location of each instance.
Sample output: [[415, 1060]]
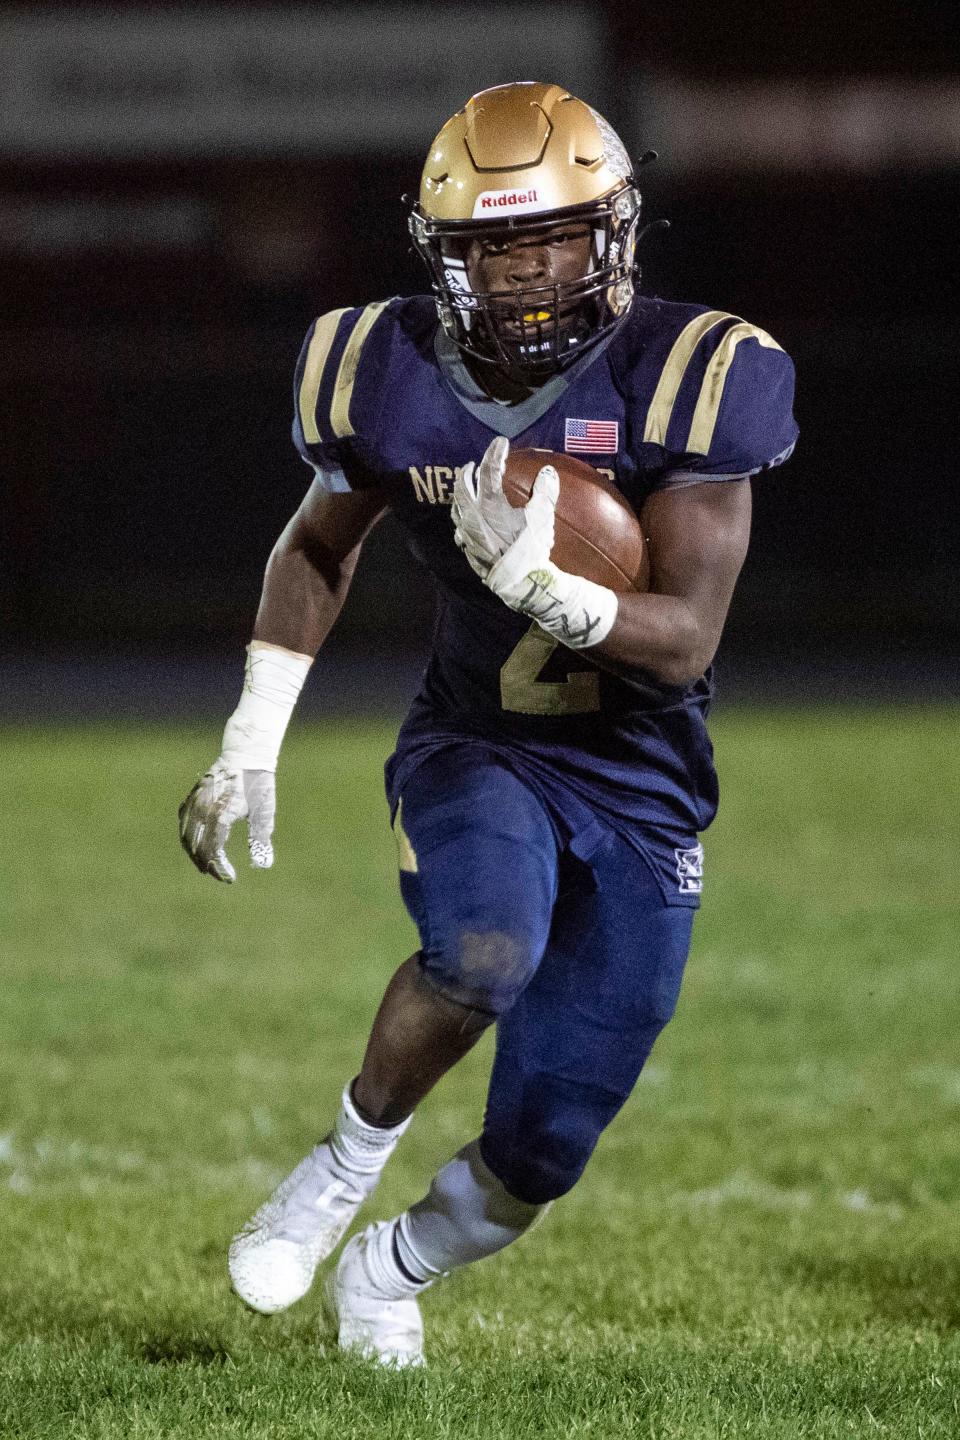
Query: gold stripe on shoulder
[[711, 391], [406, 855], [661, 406], [347, 374], [317, 352]]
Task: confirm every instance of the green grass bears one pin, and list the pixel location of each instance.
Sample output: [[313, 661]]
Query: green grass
[[766, 1243]]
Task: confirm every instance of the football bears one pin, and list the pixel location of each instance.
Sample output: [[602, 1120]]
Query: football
[[597, 532]]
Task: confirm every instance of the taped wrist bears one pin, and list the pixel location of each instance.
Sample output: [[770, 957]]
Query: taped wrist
[[273, 679], [578, 612]]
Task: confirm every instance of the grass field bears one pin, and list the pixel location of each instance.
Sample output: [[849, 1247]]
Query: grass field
[[767, 1242]]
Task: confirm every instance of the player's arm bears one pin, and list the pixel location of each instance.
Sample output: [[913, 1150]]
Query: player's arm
[[311, 566], [698, 537], [307, 580]]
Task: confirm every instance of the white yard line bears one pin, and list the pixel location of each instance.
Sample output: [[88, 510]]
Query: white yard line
[[945, 1078], [49, 1162], [743, 1188]]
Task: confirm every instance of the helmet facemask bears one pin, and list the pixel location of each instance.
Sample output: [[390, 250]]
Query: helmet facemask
[[534, 331]]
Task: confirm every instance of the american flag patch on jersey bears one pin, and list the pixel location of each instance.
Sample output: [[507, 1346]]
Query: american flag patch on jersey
[[594, 437]]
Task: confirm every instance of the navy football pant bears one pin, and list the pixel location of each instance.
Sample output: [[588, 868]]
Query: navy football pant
[[579, 959]]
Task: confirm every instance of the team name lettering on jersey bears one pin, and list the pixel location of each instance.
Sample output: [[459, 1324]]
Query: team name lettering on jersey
[[433, 485]]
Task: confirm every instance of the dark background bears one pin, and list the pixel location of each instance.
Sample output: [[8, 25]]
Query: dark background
[[146, 363]]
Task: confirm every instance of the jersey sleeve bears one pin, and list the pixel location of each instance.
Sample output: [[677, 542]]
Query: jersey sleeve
[[325, 385], [732, 408]]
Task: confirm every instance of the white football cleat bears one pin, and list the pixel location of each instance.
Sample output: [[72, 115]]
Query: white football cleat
[[274, 1258], [374, 1312]]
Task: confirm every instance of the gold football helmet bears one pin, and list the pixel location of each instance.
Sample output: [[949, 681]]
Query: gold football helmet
[[522, 158]]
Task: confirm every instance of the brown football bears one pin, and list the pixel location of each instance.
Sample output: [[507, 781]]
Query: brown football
[[597, 532]]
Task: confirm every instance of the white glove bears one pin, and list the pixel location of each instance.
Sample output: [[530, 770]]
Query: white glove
[[218, 799], [240, 784], [486, 523], [576, 611]]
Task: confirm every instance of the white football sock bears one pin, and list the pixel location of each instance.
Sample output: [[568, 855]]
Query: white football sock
[[360, 1149], [465, 1216], [386, 1277]]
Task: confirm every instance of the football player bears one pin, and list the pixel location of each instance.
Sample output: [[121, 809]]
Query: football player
[[554, 772]]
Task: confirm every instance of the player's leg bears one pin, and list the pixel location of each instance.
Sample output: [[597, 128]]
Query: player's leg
[[478, 873], [479, 862], [371, 1295], [418, 1034], [571, 1050], [568, 1054]]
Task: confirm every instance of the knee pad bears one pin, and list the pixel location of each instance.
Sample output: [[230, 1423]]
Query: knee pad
[[479, 876], [554, 1131], [483, 969]]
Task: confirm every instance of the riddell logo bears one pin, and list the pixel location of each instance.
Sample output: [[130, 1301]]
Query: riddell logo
[[507, 197], [507, 200]]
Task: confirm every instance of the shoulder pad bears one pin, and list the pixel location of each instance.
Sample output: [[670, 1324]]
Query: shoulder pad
[[327, 373], [722, 399]]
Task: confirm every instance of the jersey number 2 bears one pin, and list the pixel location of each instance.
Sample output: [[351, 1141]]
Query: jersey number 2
[[523, 693]]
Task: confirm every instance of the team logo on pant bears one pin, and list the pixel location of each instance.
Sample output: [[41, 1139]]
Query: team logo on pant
[[690, 870]]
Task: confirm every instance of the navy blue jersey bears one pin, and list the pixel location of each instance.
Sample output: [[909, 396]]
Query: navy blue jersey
[[686, 394]]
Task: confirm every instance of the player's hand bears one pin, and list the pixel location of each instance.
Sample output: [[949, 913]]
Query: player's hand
[[485, 522], [525, 563], [576, 611], [218, 799]]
